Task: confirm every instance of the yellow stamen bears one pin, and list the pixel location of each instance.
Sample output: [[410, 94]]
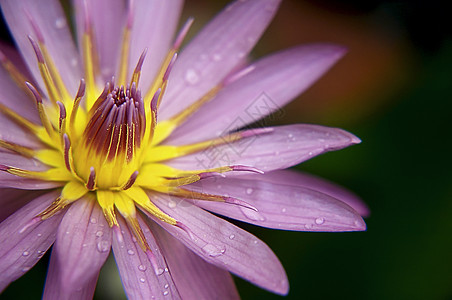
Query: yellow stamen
[[24, 151]]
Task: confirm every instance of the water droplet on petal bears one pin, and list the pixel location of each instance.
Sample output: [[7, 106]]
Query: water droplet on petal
[[251, 214], [283, 210], [25, 269], [130, 252], [249, 191], [172, 204], [93, 220], [308, 226], [165, 293], [142, 280], [159, 271], [134, 239], [103, 246], [99, 233], [319, 221], [191, 76], [166, 269], [217, 57], [142, 268], [213, 250], [60, 23], [232, 236], [25, 253], [166, 286], [67, 232], [39, 234]]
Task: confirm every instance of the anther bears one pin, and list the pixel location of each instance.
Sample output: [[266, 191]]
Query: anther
[[62, 119], [169, 68], [183, 33], [131, 181], [67, 147], [91, 184]]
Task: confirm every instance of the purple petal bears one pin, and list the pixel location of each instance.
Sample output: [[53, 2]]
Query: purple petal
[[272, 83], [154, 24], [82, 245], [294, 178], [53, 288], [107, 18], [21, 249], [13, 133], [225, 245], [51, 20], [215, 51], [12, 181], [279, 148], [279, 206], [139, 278], [12, 96], [194, 277], [12, 200]]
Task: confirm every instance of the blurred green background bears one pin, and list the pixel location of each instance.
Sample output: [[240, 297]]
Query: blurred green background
[[394, 91]]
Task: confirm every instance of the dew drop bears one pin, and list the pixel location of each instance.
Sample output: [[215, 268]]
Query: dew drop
[[159, 271], [130, 252], [166, 286], [165, 293], [134, 239], [310, 153], [241, 54], [255, 241], [93, 220], [60, 23], [213, 250], [67, 232], [103, 246], [142, 268], [251, 214], [232, 236], [171, 204], [290, 135], [142, 280], [39, 234], [319, 221], [217, 57], [84, 245], [25, 269], [308, 226], [283, 210], [99, 233], [74, 62], [25, 253], [191, 76], [166, 270], [249, 191]]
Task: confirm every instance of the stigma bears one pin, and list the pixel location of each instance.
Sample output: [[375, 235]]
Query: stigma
[[111, 141]]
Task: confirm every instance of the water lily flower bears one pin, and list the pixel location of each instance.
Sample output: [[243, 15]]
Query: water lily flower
[[115, 141]]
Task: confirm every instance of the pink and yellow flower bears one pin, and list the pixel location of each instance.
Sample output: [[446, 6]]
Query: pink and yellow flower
[[123, 143]]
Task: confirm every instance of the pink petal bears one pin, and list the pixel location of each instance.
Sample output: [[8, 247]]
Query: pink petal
[[12, 181], [272, 82], [12, 96], [215, 51], [13, 133], [154, 24], [194, 277], [51, 20], [279, 206], [82, 245], [295, 178], [225, 245], [12, 199], [279, 148], [107, 18], [54, 291], [138, 276], [21, 249]]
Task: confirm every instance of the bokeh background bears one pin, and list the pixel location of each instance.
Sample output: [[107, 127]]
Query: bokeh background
[[393, 90]]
